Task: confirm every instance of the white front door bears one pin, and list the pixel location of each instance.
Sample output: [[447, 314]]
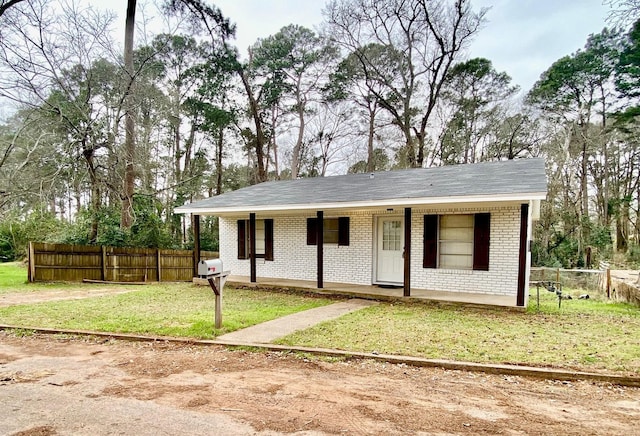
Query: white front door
[[390, 245]]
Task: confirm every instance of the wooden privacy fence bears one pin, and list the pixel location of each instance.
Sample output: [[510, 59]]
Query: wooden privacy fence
[[61, 262]]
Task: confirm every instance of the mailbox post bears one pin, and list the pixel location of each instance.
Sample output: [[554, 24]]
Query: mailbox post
[[212, 271]]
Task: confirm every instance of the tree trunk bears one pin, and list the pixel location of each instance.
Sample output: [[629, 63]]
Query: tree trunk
[[261, 174], [126, 219], [372, 131], [605, 152], [295, 155], [583, 180], [188, 149], [96, 200], [274, 143], [219, 162]]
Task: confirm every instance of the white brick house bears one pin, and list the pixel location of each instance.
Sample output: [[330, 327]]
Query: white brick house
[[469, 228]]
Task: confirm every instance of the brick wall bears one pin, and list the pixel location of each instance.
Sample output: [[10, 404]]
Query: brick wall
[[502, 277], [294, 259]]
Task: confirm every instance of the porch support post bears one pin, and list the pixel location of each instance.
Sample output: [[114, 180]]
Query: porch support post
[[320, 247], [407, 252], [252, 246], [195, 226], [522, 258]]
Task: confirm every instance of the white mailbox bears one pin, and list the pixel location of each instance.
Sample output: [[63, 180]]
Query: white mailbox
[[207, 268]]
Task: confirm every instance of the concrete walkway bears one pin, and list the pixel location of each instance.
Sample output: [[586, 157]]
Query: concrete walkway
[[271, 330]]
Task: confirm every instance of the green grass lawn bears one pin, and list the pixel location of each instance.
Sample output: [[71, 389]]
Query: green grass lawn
[[182, 310], [13, 279], [583, 334], [172, 309], [12, 275]]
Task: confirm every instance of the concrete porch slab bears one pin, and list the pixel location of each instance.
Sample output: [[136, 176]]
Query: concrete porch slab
[[377, 292]]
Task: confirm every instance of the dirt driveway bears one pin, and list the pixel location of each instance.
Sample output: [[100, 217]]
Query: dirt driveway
[[52, 385]]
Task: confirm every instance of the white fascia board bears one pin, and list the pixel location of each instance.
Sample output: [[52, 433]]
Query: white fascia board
[[396, 202]]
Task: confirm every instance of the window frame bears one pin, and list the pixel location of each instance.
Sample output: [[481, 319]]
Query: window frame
[[244, 245], [343, 231], [467, 240]]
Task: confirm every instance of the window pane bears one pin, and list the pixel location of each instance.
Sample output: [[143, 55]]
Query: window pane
[[260, 242], [456, 220], [456, 242], [330, 229], [392, 235], [457, 234], [455, 262], [455, 247]]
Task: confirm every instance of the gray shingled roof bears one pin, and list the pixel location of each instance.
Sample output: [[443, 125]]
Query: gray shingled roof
[[504, 178]]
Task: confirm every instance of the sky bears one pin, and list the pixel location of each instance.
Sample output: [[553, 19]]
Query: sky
[[521, 37]]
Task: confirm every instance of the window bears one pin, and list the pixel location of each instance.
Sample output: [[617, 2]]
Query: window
[[331, 229], [392, 235], [264, 239], [334, 231], [456, 241]]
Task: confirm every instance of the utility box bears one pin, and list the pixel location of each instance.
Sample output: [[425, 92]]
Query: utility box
[[208, 268]]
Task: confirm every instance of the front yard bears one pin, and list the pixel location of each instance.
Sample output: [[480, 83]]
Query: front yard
[[586, 335]]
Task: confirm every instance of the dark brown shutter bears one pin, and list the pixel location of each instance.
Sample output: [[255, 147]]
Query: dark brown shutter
[[522, 256], [343, 230], [430, 255], [268, 239], [481, 230], [242, 239], [312, 230]]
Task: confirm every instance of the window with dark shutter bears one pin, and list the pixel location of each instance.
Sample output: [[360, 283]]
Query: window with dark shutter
[[336, 231], [264, 239], [446, 246], [430, 252], [481, 231], [242, 239]]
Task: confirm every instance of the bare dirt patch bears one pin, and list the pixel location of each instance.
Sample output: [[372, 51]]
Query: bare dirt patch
[[58, 294], [274, 393]]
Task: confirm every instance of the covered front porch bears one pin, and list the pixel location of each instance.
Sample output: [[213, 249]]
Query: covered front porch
[[376, 292]]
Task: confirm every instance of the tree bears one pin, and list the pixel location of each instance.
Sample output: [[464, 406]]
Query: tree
[[627, 74], [327, 142], [474, 92], [577, 94], [6, 4], [350, 82], [380, 163], [571, 89], [423, 37], [623, 12], [295, 63], [52, 66], [212, 104]]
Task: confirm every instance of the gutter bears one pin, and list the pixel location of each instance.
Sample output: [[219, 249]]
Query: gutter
[[369, 204]]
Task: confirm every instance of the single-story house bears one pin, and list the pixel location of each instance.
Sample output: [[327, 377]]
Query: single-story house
[[451, 229]]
